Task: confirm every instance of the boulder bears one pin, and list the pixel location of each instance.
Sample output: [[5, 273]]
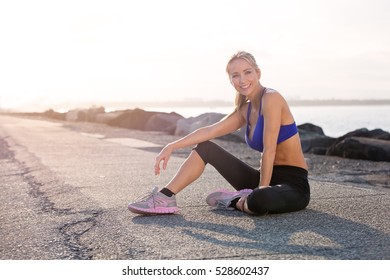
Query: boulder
[[237, 136], [144, 120], [364, 132], [54, 115], [316, 145], [361, 148], [310, 129], [165, 122], [358, 133], [72, 115], [84, 115], [131, 119], [106, 117], [188, 125], [313, 139]]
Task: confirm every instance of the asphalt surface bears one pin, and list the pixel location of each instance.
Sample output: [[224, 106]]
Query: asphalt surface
[[64, 195]]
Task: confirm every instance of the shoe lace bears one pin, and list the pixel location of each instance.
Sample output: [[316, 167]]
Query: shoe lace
[[148, 195]]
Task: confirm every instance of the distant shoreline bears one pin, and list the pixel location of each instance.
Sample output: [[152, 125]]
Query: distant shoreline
[[222, 103], [339, 102], [190, 103]]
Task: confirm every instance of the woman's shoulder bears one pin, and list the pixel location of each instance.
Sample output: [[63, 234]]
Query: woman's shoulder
[[273, 101], [272, 95], [270, 90]]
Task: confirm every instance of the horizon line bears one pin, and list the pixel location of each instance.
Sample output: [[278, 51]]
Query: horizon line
[[193, 102]]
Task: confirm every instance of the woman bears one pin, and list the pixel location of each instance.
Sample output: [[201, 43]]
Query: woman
[[281, 185]]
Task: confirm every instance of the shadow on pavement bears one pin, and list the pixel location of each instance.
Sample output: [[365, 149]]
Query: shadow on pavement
[[308, 233]]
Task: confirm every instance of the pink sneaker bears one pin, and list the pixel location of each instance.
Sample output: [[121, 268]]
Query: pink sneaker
[[223, 198], [154, 203]]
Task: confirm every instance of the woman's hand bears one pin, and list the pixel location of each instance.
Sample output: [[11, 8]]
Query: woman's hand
[[164, 156]]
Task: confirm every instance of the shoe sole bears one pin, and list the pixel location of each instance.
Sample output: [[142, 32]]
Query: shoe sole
[[212, 198], [158, 210]]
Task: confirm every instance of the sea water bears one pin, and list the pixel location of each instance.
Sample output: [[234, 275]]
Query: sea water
[[334, 120], [338, 120]]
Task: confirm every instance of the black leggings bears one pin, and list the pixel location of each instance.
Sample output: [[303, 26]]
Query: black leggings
[[289, 188]]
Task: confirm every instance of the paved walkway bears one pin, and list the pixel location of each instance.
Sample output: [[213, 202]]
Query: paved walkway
[[64, 195]]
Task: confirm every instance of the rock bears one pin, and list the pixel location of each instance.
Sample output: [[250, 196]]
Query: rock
[[106, 117], [72, 115], [237, 136], [310, 129], [54, 115], [361, 148], [145, 120], [163, 122], [356, 144], [364, 132], [317, 145], [131, 119], [84, 115], [186, 126], [313, 139]]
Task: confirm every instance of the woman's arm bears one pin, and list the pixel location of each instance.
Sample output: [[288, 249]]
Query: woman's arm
[[272, 112], [225, 126]]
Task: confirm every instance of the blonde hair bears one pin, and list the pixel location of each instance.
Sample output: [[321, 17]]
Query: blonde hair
[[241, 99]]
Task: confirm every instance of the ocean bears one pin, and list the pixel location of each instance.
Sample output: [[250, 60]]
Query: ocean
[[334, 120]]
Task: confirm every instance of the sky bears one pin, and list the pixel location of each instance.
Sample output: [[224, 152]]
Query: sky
[[64, 52]]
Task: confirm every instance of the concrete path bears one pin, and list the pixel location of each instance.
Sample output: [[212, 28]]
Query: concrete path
[[64, 195]]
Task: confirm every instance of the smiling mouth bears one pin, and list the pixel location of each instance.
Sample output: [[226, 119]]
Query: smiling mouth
[[245, 86]]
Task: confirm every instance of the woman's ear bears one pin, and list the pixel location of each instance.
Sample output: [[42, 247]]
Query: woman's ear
[[258, 74]]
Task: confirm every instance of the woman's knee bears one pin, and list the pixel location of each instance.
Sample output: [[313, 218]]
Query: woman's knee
[[203, 149], [260, 200]]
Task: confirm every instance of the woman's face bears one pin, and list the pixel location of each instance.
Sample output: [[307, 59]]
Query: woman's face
[[244, 77]]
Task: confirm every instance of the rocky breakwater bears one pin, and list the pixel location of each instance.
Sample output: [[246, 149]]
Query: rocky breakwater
[[131, 119], [360, 157], [363, 144], [171, 123]]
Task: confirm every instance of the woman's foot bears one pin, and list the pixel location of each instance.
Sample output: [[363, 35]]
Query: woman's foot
[[154, 203], [224, 198]]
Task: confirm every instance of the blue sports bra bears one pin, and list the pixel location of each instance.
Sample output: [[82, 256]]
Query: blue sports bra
[[285, 132]]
